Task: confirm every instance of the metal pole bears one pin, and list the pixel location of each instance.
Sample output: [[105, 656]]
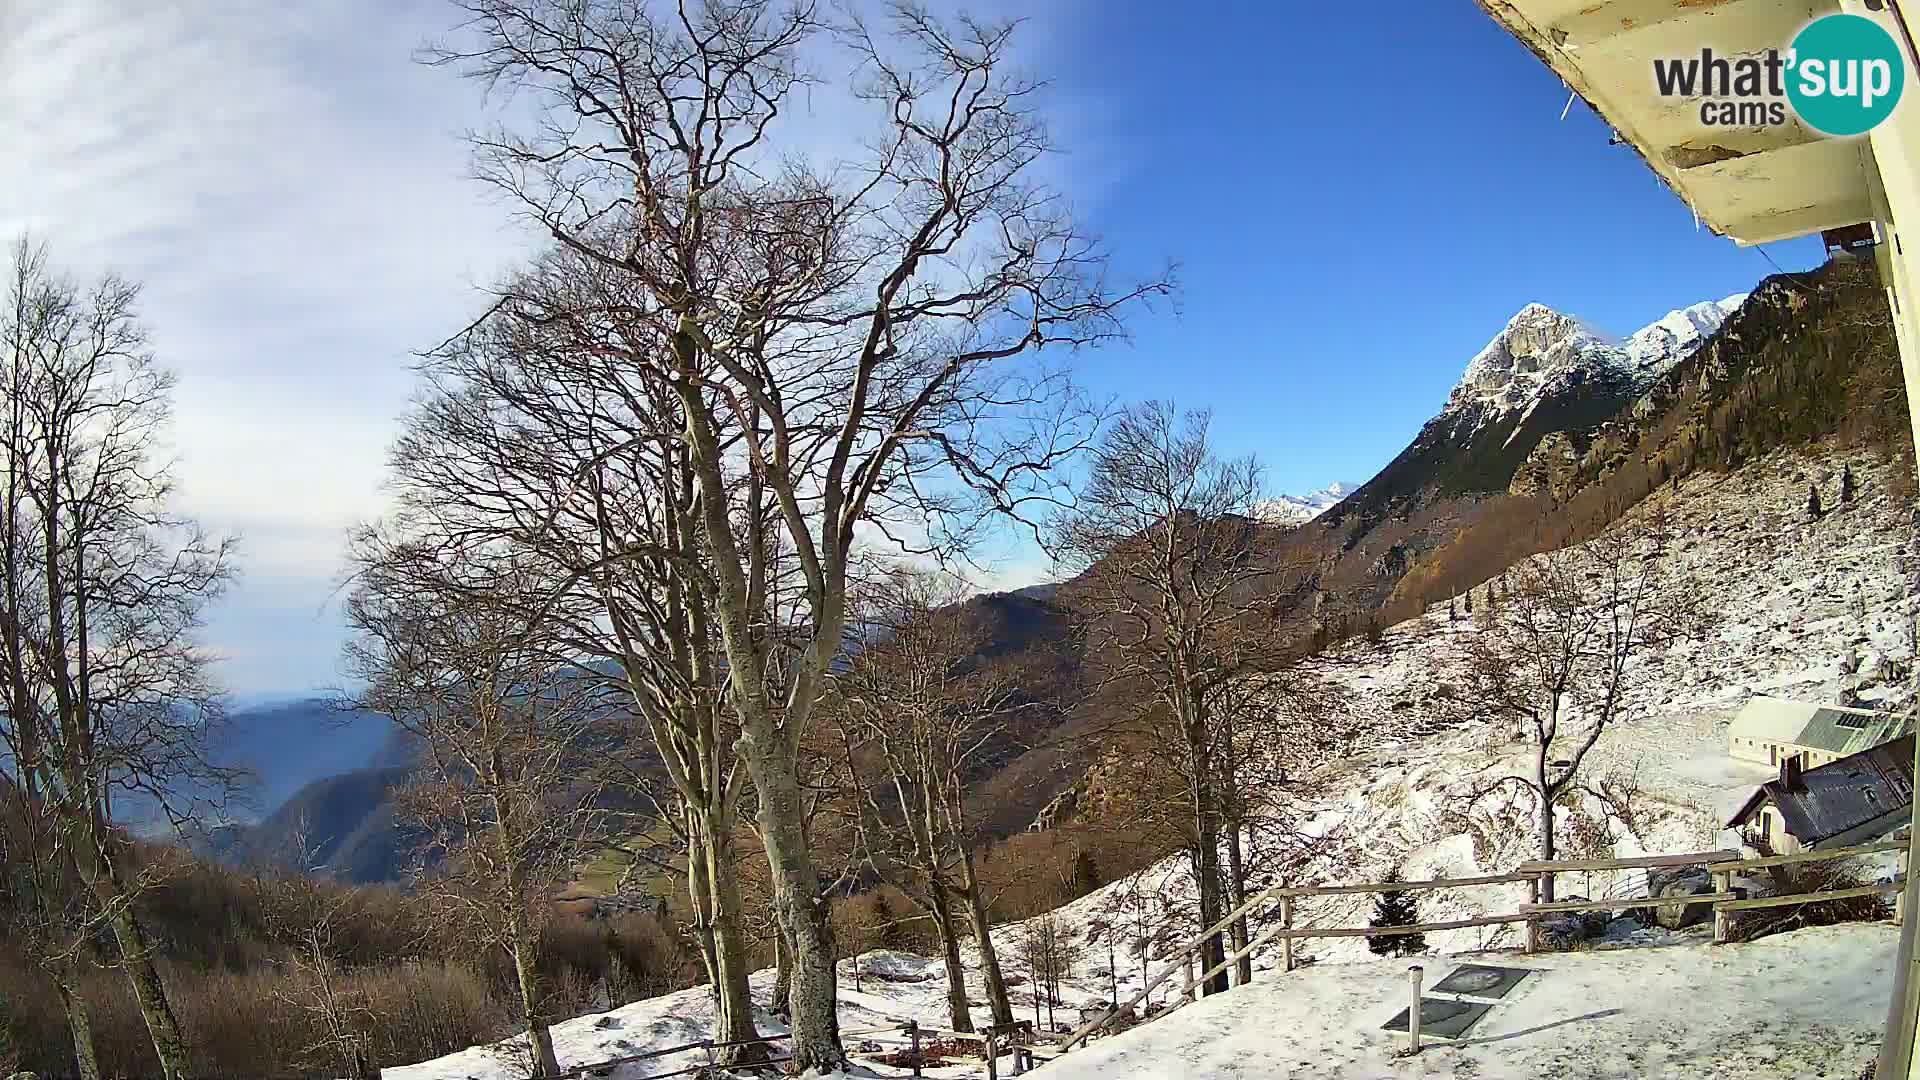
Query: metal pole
[[1413, 1014]]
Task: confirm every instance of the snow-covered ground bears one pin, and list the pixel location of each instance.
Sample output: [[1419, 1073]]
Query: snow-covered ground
[[1804, 1005], [1807, 609], [1796, 1006]]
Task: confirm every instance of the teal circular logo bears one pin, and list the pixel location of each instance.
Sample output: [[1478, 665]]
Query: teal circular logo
[[1845, 74]]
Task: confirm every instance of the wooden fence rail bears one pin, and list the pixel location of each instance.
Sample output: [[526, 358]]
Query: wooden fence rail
[[1722, 864]]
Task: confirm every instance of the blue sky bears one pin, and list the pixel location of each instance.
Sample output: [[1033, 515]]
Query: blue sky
[[1350, 241], [1357, 203]]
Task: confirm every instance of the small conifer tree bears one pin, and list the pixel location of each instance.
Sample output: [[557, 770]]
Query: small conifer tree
[[1846, 485], [1813, 501], [1396, 909]]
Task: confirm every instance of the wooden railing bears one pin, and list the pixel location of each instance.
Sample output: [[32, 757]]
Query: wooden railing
[[1722, 864]]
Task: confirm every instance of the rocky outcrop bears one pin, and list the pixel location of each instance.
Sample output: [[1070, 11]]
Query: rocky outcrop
[[1552, 469]]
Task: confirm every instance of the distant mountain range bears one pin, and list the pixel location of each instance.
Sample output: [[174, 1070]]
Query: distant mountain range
[[1545, 373], [1295, 509]]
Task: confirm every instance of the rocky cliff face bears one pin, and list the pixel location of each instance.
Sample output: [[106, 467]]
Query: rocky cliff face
[[1788, 364], [1526, 405]]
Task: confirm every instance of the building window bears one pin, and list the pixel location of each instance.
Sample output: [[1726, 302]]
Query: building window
[[1766, 825], [1773, 755]]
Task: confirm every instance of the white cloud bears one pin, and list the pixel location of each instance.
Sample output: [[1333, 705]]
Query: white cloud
[[295, 194]]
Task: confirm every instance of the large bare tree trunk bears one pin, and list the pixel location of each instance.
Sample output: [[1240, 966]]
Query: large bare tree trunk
[[1205, 855], [539, 1035], [997, 998], [101, 874], [814, 1000], [943, 920], [79, 1022], [782, 972], [1237, 897], [733, 1002], [1545, 822]]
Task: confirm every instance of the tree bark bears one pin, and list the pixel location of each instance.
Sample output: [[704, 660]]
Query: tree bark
[[733, 1021], [814, 999], [539, 1036], [1205, 854], [997, 999], [1545, 825], [1237, 897], [943, 921], [782, 972], [101, 873], [79, 1022]]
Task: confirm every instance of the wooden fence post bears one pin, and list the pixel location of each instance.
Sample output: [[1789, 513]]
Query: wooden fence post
[[1286, 924], [1899, 898], [993, 1057], [1413, 1014], [1191, 990], [1533, 924], [913, 1033], [1722, 920]]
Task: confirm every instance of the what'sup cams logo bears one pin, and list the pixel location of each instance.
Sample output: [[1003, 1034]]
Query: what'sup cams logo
[[1842, 75]]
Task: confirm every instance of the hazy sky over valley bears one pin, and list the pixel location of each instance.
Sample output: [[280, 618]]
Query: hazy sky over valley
[[294, 193]]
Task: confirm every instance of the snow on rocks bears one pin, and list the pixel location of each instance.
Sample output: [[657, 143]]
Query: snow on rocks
[[1541, 350]]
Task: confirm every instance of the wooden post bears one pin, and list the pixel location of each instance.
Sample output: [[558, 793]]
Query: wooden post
[[1722, 919], [1191, 989], [1286, 943], [1899, 898], [913, 1033], [993, 1057], [1533, 924], [1413, 1014]]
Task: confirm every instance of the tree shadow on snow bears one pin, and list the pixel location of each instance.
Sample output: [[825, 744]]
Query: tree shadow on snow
[[1602, 1014]]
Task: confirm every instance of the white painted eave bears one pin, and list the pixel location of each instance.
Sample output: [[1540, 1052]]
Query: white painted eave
[[1755, 185]]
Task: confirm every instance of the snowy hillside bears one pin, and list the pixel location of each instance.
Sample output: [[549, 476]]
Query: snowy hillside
[[1694, 1010], [1297, 509], [1542, 351], [1809, 609]]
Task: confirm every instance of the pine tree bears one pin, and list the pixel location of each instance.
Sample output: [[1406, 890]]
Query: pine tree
[[1469, 601], [1396, 909], [1813, 501], [1451, 614], [1846, 485]]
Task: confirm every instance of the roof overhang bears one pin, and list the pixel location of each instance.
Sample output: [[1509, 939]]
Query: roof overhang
[[1754, 184]]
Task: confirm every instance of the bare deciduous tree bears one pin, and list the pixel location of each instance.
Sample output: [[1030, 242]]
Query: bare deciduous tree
[[512, 739], [1181, 592], [106, 688], [1558, 654], [921, 711], [847, 331]]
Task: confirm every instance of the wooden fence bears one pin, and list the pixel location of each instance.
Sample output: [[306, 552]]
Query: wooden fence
[[1722, 864]]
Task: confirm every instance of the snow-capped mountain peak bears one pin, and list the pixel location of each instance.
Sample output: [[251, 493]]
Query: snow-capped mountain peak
[[1298, 509], [1541, 350], [1668, 339]]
